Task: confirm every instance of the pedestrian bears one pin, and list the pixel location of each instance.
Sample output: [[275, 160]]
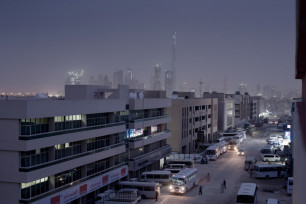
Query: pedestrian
[[221, 188], [208, 177], [224, 184], [200, 190], [251, 173], [156, 196]]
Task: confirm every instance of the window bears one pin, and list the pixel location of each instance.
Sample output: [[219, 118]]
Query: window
[[98, 142], [66, 177], [67, 149], [97, 119], [33, 126], [34, 157], [34, 188], [67, 122], [97, 166]]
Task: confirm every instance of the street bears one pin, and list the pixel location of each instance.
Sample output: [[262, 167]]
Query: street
[[230, 167]]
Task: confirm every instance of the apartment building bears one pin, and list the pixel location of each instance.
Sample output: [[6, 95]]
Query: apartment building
[[148, 131], [242, 108], [299, 109], [256, 107], [193, 121], [67, 151], [226, 110]]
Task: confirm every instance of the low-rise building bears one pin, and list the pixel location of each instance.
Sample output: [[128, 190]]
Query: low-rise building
[[193, 121]]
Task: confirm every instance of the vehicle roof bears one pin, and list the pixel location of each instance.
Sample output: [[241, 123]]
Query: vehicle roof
[[272, 201], [270, 165], [213, 147], [184, 172], [247, 189], [128, 189], [269, 155], [156, 172], [249, 158], [139, 183], [183, 160]]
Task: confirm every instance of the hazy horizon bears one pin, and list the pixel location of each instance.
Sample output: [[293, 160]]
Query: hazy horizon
[[246, 41]]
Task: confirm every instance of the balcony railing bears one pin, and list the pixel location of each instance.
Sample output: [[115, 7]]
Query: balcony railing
[[53, 162], [61, 132], [148, 118], [56, 190], [161, 149]]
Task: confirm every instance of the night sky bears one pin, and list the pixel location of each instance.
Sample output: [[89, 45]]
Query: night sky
[[249, 41]]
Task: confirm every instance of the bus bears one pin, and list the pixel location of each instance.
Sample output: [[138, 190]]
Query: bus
[[213, 152], [145, 189], [269, 170], [188, 162], [247, 193], [183, 181], [157, 176], [234, 144], [222, 146], [173, 170]]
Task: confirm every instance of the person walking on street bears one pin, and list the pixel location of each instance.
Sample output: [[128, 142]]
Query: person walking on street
[[156, 196], [224, 184], [200, 190], [208, 177], [221, 188]]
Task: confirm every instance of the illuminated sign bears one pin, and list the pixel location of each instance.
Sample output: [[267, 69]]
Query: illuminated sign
[[153, 129], [135, 132]]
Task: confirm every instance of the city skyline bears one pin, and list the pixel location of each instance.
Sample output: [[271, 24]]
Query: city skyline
[[252, 42]]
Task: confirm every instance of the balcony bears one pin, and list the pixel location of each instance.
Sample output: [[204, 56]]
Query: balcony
[[142, 141], [148, 121], [61, 132], [147, 159], [74, 160]]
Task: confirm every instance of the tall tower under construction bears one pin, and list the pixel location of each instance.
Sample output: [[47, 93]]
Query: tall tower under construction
[[173, 61]]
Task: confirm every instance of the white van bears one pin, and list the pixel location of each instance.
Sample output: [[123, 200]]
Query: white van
[[270, 158]]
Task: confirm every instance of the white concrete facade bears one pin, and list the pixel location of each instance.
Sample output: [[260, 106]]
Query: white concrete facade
[[70, 150]]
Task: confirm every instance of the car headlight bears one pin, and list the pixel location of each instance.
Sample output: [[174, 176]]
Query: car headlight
[[170, 187], [182, 188]]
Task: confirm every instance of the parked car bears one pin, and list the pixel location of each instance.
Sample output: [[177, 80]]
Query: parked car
[[270, 158]]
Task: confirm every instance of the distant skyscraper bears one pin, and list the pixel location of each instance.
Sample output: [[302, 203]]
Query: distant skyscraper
[[106, 82], [157, 77], [74, 78], [258, 90], [173, 61], [117, 79], [243, 88], [129, 78], [100, 79], [92, 80], [168, 82]]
